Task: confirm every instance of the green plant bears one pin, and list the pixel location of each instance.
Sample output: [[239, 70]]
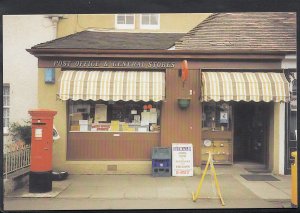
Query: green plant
[[21, 131]]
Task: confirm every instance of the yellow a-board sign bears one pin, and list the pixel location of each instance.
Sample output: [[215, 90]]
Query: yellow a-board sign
[[213, 171]]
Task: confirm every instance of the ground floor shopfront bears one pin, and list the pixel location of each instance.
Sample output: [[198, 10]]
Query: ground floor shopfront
[[114, 130]]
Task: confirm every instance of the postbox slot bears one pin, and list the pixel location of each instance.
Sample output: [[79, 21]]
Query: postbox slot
[[39, 124]]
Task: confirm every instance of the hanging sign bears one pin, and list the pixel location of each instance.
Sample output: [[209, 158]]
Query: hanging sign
[[182, 159], [184, 70]]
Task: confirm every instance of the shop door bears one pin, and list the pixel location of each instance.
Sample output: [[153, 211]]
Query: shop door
[[250, 132]]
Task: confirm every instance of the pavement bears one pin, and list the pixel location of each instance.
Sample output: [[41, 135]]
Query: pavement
[[105, 192]]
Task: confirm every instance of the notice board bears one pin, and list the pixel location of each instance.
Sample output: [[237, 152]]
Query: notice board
[[182, 159]]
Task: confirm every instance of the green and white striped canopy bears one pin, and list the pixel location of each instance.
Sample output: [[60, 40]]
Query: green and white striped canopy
[[112, 85]]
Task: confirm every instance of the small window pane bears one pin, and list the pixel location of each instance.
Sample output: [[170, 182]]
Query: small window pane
[[145, 19], [129, 19], [154, 19], [5, 90], [5, 117], [121, 19]]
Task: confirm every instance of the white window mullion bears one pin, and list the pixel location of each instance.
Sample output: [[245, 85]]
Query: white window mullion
[[6, 104], [150, 21], [124, 21]]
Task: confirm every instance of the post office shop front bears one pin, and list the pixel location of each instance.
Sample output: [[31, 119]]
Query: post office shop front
[[114, 106]]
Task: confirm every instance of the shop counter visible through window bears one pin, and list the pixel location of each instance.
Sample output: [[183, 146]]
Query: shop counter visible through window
[[110, 116]]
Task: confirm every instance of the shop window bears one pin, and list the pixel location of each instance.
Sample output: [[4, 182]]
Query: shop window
[[6, 104], [216, 116], [150, 21], [113, 116], [124, 21]]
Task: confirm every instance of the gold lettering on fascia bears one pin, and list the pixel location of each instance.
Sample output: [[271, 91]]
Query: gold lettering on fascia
[[117, 64]]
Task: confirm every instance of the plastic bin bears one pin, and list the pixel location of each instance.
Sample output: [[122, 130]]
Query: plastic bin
[[161, 171], [161, 153], [161, 162]]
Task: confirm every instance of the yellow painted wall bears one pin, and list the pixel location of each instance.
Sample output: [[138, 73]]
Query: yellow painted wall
[[276, 139], [271, 139], [175, 22], [47, 99]]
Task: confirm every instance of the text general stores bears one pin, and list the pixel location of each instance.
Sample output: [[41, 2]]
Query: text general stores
[[113, 64]]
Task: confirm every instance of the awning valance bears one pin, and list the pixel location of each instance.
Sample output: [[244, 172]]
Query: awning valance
[[112, 85], [244, 86]]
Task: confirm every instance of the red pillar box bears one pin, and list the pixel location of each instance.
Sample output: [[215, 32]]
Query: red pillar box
[[41, 150]]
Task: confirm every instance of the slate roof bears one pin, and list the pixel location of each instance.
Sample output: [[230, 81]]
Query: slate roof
[[113, 41], [254, 31]]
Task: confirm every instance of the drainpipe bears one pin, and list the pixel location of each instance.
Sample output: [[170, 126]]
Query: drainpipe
[[54, 18]]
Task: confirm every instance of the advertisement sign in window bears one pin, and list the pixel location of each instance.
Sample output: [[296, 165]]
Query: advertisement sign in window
[[182, 159]]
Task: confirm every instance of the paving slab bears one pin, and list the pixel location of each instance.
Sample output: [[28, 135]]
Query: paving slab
[[19, 204], [108, 192], [168, 192], [77, 192], [141, 193], [266, 191], [57, 188]]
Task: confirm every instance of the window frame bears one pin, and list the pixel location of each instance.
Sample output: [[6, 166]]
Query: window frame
[[150, 26], [5, 128], [124, 26], [89, 106]]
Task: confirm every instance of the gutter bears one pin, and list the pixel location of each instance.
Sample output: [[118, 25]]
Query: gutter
[[169, 54]]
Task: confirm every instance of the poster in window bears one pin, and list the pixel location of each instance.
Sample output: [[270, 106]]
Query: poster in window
[[100, 112], [223, 117]]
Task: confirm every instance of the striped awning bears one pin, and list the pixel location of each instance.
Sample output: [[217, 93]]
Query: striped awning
[[244, 86], [112, 85]]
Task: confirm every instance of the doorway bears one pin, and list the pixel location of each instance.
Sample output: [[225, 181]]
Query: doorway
[[251, 132]]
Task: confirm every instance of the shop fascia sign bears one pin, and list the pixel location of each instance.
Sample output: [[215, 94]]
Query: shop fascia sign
[[109, 64]]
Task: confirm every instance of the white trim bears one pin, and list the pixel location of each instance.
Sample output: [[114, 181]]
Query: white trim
[[281, 137], [289, 62], [5, 130], [150, 26], [124, 26]]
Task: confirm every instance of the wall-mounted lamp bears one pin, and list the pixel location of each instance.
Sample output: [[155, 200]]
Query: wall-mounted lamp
[[49, 75]]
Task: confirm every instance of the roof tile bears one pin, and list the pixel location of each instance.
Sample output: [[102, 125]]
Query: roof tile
[[264, 31], [112, 40]]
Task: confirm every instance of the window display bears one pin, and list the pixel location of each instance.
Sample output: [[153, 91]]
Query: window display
[[216, 116], [217, 132], [117, 116]]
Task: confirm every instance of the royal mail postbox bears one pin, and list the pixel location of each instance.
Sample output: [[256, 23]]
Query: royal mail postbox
[[41, 150]]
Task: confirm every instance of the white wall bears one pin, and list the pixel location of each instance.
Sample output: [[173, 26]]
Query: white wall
[[21, 32], [289, 62]]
